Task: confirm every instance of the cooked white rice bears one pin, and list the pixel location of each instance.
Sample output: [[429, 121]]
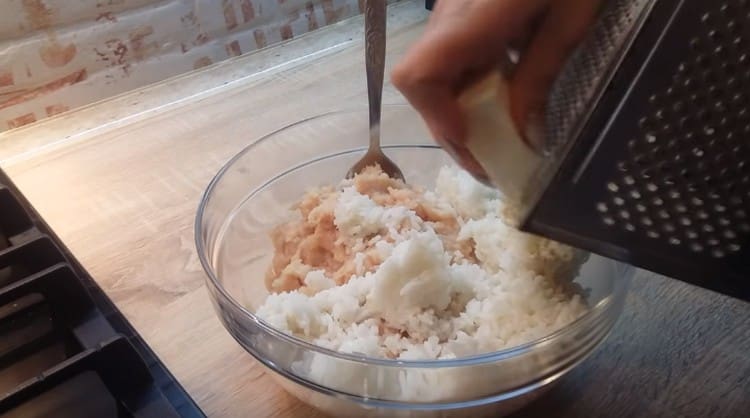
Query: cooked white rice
[[423, 303]]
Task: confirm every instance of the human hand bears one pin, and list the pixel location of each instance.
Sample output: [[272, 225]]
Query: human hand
[[466, 39]]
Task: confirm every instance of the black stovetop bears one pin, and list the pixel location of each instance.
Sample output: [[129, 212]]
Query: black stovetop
[[65, 349]]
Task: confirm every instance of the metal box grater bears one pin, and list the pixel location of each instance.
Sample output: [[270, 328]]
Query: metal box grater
[[648, 143]]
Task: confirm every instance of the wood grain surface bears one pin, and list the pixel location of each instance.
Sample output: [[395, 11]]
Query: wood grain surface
[[677, 351], [124, 200]]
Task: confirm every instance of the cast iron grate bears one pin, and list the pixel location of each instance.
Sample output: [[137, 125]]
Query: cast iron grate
[[65, 350]]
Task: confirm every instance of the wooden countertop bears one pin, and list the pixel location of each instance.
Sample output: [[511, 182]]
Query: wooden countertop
[[123, 197]]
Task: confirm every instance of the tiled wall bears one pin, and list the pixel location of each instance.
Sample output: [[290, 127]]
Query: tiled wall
[[56, 55]]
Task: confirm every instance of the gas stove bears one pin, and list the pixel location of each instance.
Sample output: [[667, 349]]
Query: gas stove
[[65, 349]]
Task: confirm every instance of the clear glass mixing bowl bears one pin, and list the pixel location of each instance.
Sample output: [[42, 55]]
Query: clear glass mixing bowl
[[254, 192]]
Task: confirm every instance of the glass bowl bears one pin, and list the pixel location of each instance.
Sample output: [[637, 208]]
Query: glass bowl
[[255, 191]]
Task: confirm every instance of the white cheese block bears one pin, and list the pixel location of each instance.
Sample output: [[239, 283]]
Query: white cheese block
[[493, 139]]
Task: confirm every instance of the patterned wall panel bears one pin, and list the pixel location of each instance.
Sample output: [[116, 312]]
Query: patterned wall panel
[[57, 55]]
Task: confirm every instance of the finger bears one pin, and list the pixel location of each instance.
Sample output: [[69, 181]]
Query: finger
[[463, 34], [563, 27], [521, 40], [436, 103], [443, 117], [463, 156], [464, 38], [440, 111]]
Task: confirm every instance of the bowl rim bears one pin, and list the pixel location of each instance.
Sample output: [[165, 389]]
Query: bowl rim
[[619, 290]]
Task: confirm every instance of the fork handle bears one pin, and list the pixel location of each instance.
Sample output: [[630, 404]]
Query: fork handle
[[375, 23]]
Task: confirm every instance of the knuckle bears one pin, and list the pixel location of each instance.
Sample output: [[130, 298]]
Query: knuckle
[[400, 76]]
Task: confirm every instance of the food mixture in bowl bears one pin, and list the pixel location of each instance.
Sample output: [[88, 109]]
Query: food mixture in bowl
[[378, 267]]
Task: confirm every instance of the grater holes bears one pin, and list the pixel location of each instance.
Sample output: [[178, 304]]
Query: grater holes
[[640, 160], [709, 76], [730, 70], [698, 99], [734, 27], [588, 65], [721, 52], [681, 180], [718, 106], [705, 117]]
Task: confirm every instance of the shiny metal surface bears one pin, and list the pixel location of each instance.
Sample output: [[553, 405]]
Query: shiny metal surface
[[648, 160], [375, 40]]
